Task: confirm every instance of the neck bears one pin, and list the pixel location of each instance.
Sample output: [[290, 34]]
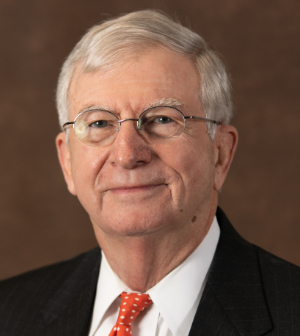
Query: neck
[[142, 261]]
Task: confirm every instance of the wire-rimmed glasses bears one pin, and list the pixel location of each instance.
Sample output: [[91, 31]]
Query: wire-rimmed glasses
[[160, 124]]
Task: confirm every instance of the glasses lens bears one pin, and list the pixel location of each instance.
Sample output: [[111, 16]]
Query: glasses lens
[[162, 123], [96, 127]]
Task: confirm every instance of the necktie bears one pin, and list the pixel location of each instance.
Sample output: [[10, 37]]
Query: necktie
[[132, 304]]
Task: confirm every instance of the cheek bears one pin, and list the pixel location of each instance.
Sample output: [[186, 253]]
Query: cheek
[[194, 167], [87, 162]]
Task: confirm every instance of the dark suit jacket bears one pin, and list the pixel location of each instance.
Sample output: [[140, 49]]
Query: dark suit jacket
[[249, 292]]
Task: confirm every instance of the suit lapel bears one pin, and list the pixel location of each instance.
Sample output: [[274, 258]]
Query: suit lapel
[[69, 311], [211, 319], [233, 300]]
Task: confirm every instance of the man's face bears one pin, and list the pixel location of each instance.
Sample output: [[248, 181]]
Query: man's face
[[131, 187]]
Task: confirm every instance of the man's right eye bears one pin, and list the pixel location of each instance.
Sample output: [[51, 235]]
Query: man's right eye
[[99, 124]]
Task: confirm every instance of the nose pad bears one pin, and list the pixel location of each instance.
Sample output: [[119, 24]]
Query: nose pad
[[139, 124]]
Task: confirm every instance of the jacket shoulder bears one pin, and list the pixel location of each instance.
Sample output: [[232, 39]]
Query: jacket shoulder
[[263, 288], [281, 283], [25, 294], [279, 272], [49, 275]]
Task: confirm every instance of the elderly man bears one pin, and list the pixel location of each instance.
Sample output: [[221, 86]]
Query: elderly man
[[146, 145]]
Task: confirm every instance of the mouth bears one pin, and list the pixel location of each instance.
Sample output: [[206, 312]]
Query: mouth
[[135, 189]]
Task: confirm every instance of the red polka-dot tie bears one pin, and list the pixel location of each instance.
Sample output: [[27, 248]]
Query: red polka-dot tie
[[132, 304]]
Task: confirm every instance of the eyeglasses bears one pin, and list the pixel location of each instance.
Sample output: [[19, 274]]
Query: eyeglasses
[[157, 124]]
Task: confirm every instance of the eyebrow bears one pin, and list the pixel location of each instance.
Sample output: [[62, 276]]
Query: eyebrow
[[97, 107], [170, 102]]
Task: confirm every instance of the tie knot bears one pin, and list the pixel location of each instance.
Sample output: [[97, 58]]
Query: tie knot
[[132, 304]]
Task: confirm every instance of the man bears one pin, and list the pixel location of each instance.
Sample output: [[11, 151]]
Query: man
[[146, 145]]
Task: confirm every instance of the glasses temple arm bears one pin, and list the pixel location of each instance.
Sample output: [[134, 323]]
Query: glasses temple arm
[[69, 123], [204, 119]]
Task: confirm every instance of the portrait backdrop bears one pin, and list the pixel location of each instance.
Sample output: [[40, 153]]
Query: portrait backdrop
[[41, 223]]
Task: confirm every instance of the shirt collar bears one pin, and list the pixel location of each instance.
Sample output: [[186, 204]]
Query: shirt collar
[[175, 296], [109, 287]]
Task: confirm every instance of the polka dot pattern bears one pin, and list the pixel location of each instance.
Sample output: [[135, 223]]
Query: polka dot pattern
[[132, 304]]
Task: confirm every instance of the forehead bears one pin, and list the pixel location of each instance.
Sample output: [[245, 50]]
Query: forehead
[[157, 75]]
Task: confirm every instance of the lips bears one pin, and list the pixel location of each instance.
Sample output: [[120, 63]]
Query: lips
[[132, 181], [135, 188]]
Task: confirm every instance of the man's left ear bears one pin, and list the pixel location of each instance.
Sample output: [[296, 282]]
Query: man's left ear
[[226, 139]]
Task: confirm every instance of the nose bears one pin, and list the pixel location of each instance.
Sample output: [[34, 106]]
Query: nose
[[129, 148]]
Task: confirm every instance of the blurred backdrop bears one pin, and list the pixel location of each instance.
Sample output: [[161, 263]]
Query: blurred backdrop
[[41, 223]]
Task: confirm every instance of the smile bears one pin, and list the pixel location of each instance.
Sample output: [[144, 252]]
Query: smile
[[135, 189]]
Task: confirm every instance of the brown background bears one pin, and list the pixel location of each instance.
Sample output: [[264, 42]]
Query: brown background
[[41, 223]]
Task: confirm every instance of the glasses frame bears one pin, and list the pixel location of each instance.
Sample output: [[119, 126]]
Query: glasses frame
[[138, 121]]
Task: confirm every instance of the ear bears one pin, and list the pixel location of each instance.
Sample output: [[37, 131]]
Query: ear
[[225, 140], [64, 156]]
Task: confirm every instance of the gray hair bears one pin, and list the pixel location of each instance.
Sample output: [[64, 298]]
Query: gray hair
[[106, 45]]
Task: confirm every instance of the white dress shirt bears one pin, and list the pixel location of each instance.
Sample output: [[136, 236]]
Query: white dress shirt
[[175, 298]]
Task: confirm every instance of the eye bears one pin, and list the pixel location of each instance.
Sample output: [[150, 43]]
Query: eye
[[99, 124], [161, 120]]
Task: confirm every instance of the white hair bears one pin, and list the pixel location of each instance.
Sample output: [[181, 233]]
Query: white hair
[[108, 44]]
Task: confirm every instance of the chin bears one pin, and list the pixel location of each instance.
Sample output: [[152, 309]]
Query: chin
[[138, 226]]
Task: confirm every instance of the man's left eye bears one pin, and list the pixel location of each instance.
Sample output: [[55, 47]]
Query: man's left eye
[[163, 120]]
